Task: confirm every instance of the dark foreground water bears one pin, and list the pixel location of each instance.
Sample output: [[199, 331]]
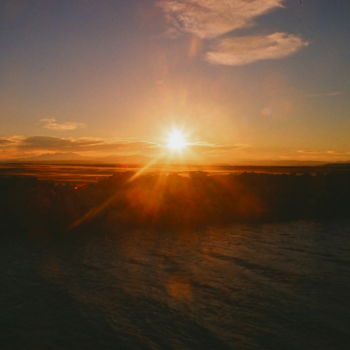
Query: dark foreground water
[[272, 286]]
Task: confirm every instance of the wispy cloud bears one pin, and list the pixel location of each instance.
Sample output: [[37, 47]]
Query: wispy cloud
[[311, 151], [57, 144], [5, 142], [49, 143], [248, 49], [216, 148], [53, 124], [329, 154], [20, 147], [82, 144], [211, 18], [9, 141], [326, 94], [17, 146], [208, 19]]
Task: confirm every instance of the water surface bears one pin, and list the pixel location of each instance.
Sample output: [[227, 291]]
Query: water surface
[[263, 286]]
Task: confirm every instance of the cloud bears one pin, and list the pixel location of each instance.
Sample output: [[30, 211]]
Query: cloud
[[46, 143], [215, 148], [57, 144], [53, 124], [323, 152], [329, 155], [326, 94], [211, 18], [248, 49], [17, 147], [9, 141], [208, 19], [5, 142]]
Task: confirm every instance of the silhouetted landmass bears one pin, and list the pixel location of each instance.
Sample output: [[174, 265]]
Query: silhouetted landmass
[[164, 200], [93, 172]]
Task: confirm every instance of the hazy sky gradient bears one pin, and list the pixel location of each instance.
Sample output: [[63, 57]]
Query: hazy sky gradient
[[250, 80]]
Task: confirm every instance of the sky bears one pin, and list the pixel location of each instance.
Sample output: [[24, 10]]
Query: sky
[[245, 80]]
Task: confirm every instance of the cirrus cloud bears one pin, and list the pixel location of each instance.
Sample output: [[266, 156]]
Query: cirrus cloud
[[326, 94], [5, 142], [53, 124], [47, 143], [205, 147], [211, 18], [21, 147], [248, 49]]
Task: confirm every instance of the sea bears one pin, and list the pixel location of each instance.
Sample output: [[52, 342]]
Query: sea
[[266, 286]]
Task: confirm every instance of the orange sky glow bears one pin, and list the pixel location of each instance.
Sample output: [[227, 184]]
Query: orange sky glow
[[244, 82]]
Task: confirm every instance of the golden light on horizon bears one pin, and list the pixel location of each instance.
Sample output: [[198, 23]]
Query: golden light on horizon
[[176, 141]]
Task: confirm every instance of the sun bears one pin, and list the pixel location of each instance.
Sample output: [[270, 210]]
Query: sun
[[176, 141]]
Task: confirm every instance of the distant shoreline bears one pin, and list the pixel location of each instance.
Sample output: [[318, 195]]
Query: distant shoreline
[[93, 172]]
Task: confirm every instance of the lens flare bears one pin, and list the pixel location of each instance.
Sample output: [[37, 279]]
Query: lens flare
[[176, 141]]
